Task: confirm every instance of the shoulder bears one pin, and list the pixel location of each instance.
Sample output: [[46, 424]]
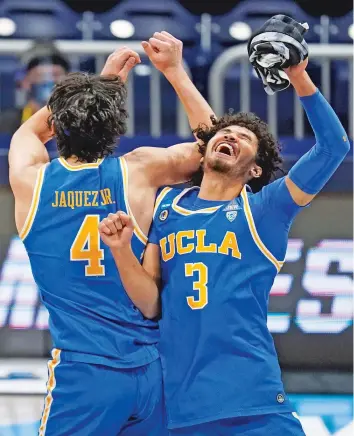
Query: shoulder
[[276, 197], [269, 193]]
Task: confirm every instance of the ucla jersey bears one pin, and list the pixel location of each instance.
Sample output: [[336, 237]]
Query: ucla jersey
[[91, 318], [219, 261]]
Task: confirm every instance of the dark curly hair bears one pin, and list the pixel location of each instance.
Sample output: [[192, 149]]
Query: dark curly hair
[[88, 115], [268, 154]]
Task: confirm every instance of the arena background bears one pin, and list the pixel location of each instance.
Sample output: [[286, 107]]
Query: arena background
[[311, 304]]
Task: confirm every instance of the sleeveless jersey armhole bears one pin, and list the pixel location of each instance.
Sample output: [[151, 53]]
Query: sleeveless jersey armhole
[[255, 236], [125, 175], [34, 204]]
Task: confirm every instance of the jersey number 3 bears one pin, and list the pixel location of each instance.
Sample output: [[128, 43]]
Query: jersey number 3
[[200, 285], [86, 246]]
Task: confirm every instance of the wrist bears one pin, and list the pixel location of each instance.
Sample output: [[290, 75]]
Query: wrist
[[303, 84], [174, 73], [122, 252]]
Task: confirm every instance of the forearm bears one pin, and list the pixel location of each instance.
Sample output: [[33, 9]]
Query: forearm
[[303, 85], [139, 285], [316, 167], [195, 105]]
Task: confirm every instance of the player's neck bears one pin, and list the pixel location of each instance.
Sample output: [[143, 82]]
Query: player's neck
[[219, 188], [73, 160]]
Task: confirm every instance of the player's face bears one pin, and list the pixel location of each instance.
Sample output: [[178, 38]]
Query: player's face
[[231, 151]]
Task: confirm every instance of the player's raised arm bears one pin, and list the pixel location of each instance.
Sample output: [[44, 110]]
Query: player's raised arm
[[178, 163], [165, 53], [27, 151], [164, 166], [309, 175], [140, 282]]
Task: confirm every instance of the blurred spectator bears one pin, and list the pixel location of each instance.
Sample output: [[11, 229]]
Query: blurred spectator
[[44, 65]]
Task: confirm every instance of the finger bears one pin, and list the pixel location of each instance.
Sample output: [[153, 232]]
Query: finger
[[135, 55], [123, 73], [126, 220], [125, 53], [168, 35], [161, 37], [148, 49], [116, 221], [103, 229], [159, 45], [110, 224]]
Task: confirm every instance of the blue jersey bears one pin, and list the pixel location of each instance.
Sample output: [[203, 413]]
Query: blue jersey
[[219, 261], [91, 318]]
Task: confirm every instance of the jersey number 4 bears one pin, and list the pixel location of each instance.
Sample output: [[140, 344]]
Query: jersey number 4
[[200, 285], [86, 246]]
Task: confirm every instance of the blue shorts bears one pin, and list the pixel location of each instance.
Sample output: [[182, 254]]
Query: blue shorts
[[95, 400], [274, 424]]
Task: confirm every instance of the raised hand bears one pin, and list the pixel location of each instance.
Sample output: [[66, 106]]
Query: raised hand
[[164, 51], [116, 230], [120, 62], [296, 70]]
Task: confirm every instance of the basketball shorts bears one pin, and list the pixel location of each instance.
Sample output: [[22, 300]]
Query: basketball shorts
[[95, 400], [275, 424]]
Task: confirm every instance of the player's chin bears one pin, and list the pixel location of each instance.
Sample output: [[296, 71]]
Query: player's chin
[[221, 165]]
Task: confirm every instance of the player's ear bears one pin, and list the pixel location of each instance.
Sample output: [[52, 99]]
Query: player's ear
[[256, 172]]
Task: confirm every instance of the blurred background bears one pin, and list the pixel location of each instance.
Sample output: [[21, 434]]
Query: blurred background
[[311, 304]]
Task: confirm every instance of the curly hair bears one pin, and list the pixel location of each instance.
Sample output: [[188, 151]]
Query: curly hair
[[268, 154], [88, 115]]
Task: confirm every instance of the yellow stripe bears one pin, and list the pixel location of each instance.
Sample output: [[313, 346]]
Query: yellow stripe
[[34, 204], [278, 264], [52, 364], [27, 112], [80, 166], [185, 212], [138, 232], [159, 198]]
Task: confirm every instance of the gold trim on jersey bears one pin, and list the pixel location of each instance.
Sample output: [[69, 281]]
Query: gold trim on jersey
[[159, 199], [52, 364], [137, 230], [34, 204], [248, 213], [79, 167], [181, 210]]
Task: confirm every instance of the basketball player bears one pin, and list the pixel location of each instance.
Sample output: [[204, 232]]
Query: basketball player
[[215, 251], [105, 376]]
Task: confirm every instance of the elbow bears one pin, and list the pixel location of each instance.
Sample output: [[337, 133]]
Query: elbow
[[334, 146], [150, 309], [343, 143], [346, 144], [343, 147], [150, 312]]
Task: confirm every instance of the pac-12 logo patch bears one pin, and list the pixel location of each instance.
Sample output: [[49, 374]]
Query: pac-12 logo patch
[[163, 215], [280, 398], [231, 215]]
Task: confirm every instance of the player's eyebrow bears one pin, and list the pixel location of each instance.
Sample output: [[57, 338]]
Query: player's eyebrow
[[245, 135], [226, 130], [241, 133]]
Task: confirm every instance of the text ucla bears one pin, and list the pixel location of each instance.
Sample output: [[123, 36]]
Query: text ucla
[[188, 241]]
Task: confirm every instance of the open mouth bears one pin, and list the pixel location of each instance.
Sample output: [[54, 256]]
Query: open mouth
[[225, 148]]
